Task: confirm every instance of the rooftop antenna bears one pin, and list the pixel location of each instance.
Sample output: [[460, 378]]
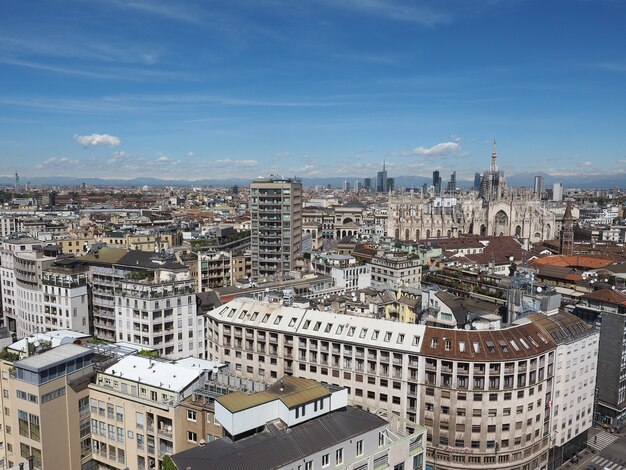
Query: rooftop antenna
[[17, 182]]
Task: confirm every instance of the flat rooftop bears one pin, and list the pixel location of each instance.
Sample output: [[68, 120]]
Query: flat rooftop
[[292, 391], [52, 357], [173, 376]]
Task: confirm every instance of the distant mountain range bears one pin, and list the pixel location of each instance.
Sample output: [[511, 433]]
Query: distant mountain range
[[517, 180]]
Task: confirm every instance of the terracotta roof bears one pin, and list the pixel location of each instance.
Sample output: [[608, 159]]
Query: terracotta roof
[[517, 342], [559, 272], [607, 295], [588, 262], [562, 327]]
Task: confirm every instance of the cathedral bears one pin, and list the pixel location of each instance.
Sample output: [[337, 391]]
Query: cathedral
[[495, 210]]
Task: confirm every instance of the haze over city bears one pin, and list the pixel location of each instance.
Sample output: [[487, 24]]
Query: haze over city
[[127, 89]]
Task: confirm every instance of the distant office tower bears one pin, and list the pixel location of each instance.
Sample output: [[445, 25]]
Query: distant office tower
[[390, 184], [437, 182], [566, 240], [381, 180], [367, 184], [538, 186], [452, 182], [476, 181], [346, 186], [557, 192], [276, 222], [424, 189]]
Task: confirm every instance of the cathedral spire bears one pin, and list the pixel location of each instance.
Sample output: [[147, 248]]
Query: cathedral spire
[[494, 157]]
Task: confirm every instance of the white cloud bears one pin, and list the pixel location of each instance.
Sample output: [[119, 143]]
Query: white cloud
[[191, 154], [234, 163], [282, 155], [587, 163], [95, 140], [162, 159], [117, 157], [437, 150], [306, 170], [57, 162]]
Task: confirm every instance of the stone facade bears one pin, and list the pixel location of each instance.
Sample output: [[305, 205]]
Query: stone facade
[[495, 210]]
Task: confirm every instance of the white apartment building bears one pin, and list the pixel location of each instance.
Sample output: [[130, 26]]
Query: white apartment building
[[344, 270], [482, 395], [160, 314], [23, 264], [396, 269], [65, 296], [41, 292], [572, 404]]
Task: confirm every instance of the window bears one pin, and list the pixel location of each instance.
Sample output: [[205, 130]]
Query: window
[[359, 447], [339, 456], [192, 436], [308, 465], [325, 460], [381, 439]]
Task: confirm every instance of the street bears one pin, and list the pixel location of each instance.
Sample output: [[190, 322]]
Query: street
[[605, 451]]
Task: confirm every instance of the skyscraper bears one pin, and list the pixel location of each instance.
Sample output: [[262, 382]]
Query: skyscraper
[[477, 181], [538, 189], [437, 182], [557, 192], [381, 180], [452, 182], [367, 184], [276, 222]]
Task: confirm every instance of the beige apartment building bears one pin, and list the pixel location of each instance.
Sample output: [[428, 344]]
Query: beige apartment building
[[276, 222], [137, 411], [45, 409], [484, 396], [141, 242]]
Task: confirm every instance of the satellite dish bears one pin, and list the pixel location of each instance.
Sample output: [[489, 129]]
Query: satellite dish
[[467, 326], [539, 289]]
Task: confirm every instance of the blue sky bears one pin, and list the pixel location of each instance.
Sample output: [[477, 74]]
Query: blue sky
[[211, 89]]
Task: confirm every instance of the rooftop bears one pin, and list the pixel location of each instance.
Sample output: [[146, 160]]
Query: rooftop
[[607, 295], [292, 391], [52, 357], [563, 327], [277, 447], [173, 376], [56, 338]]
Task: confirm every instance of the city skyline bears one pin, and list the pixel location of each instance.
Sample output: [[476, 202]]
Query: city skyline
[[149, 89]]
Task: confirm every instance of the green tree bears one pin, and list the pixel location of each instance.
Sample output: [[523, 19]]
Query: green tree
[[168, 464]]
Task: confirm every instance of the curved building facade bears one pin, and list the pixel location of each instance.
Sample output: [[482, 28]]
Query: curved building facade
[[485, 397]]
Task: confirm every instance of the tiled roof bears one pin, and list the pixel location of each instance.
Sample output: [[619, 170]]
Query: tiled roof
[[562, 327], [588, 262], [517, 342], [607, 295]]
